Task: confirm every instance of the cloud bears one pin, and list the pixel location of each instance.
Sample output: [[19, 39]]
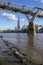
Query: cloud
[[41, 13], [22, 19], [41, 1], [11, 16], [1, 0]]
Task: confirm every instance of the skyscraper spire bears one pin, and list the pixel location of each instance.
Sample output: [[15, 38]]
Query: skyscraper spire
[[18, 24]]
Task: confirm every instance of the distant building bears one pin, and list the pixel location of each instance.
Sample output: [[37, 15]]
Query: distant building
[[15, 28], [27, 27], [18, 24], [41, 30], [38, 27], [23, 27]]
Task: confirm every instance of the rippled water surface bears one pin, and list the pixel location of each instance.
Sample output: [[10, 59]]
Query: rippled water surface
[[32, 46]]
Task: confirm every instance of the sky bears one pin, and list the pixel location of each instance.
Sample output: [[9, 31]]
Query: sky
[[9, 19]]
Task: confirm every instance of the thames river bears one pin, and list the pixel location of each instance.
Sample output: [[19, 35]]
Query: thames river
[[32, 46]]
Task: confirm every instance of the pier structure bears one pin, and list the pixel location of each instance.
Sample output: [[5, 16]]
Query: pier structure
[[31, 28], [30, 12]]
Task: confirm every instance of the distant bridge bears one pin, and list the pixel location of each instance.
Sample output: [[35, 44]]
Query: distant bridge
[[27, 10]]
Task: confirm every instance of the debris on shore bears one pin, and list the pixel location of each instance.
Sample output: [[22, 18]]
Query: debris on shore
[[16, 52], [1, 36]]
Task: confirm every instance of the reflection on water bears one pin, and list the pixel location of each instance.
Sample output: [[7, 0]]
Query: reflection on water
[[32, 46], [33, 51], [31, 41]]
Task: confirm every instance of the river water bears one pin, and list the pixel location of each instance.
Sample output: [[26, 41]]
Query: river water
[[32, 46]]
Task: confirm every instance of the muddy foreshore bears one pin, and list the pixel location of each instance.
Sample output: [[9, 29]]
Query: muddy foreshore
[[20, 58]]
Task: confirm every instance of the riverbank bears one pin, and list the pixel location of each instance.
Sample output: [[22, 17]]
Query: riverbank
[[31, 46], [8, 58]]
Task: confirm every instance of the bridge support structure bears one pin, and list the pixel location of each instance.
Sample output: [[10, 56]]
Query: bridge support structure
[[31, 27], [11, 6]]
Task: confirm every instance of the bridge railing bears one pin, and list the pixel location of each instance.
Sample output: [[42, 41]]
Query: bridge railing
[[22, 8]]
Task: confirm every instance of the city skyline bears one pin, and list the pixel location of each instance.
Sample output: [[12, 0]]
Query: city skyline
[[8, 19]]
